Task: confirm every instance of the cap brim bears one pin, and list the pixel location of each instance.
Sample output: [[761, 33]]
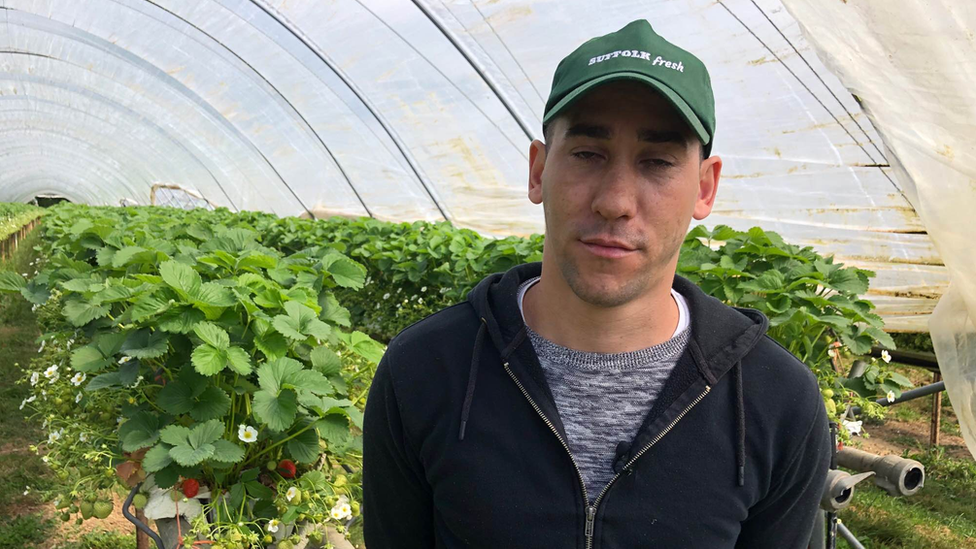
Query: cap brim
[[686, 112]]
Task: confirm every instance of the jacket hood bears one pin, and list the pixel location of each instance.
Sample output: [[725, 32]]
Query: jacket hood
[[720, 337]]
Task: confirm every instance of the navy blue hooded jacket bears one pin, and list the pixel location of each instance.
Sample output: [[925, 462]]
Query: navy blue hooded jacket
[[463, 445]]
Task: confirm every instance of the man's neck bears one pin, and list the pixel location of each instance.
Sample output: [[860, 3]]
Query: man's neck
[[556, 313]]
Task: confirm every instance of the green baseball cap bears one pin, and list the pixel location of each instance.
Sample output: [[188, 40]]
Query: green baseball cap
[[636, 52]]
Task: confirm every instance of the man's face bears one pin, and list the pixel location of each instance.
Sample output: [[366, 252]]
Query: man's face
[[619, 183]]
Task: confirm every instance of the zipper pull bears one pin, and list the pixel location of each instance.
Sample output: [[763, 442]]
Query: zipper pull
[[590, 516]]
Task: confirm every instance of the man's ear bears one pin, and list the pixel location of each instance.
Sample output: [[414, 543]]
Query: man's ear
[[709, 173], [537, 164]]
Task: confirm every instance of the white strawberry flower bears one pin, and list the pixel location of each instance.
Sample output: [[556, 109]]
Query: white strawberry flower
[[83, 437], [832, 353], [246, 433], [51, 372], [853, 427], [78, 379], [125, 359], [54, 436], [27, 491], [35, 377], [291, 493], [386, 295], [41, 348], [341, 510], [424, 289], [886, 356], [890, 396], [77, 398], [273, 525], [27, 401]]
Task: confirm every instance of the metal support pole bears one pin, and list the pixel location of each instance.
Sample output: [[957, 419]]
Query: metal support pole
[[936, 411], [926, 390], [831, 517], [848, 536]]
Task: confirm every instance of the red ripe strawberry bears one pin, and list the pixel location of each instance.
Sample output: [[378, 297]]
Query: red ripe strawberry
[[287, 468], [191, 487]]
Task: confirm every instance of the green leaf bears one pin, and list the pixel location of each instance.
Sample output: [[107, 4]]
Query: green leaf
[[103, 381], [363, 345], [167, 476], [80, 313], [346, 272], [89, 359], [334, 429], [206, 432], [212, 403], [11, 281], [146, 344], [176, 398], [181, 277], [847, 280], [176, 435], [311, 381], [208, 360], [273, 375], [304, 448], [326, 361], [277, 412], [883, 338], [139, 431], [180, 320], [211, 334], [214, 295], [900, 379], [145, 307], [227, 452], [239, 360], [332, 311], [36, 293], [273, 345], [294, 324], [156, 458], [126, 254], [188, 456]]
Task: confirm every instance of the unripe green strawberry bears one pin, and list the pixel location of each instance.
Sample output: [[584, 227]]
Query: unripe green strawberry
[[65, 517], [340, 481], [102, 509], [315, 536], [267, 537], [831, 408], [271, 465], [828, 393], [86, 510], [73, 509], [355, 508], [79, 521], [285, 544], [139, 501], [63, 503]]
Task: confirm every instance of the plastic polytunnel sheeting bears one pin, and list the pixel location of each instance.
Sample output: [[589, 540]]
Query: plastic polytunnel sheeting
[[424, 109], [914, 65]]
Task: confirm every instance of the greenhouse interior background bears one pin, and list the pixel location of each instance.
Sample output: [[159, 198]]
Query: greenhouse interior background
[[845, 125]]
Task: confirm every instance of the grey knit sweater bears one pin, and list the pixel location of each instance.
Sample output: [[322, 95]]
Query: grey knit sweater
[[602, 398]]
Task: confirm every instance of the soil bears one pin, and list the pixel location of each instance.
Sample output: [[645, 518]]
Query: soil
[[889, 438]]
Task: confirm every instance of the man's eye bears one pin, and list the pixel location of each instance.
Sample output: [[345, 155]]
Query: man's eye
[[586, 155], [659, 162]]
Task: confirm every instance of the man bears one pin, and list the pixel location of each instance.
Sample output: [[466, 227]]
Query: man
[[598, 400]]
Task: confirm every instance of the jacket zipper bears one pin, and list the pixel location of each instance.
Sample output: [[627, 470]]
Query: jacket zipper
[[591, 509]]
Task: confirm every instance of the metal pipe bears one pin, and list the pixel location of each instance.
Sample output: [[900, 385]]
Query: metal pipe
[[925, 390], [922, 360], [896, 475], [138, 523], [848, 536], [476, 65]]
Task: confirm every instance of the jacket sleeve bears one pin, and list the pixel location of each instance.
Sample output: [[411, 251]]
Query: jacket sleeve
[[785, 518], [397, 503]]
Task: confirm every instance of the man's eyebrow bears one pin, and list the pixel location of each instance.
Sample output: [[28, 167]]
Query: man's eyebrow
[[596, 131], [658, 136], [588, 130]]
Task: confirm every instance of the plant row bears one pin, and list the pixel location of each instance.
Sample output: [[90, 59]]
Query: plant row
[[14, 217]]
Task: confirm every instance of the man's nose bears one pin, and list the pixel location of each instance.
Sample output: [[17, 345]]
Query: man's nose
[[616, 195]]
